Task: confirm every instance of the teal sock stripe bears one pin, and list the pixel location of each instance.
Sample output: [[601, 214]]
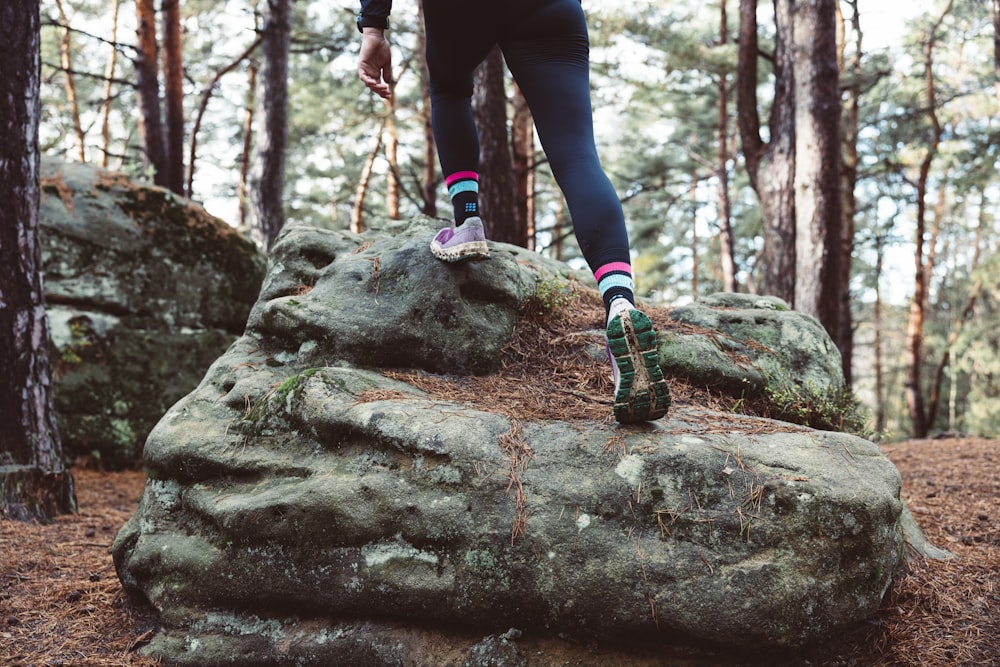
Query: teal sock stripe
[[613, 280], [463, 186]]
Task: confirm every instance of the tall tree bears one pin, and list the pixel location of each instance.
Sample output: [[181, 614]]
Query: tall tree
[[996, 47], [818, 205], [795, 173], [523, 162], [850, 65], [428, 183], [919, 422], [34, 483], [109, 75], [496, 191], [268, 178], [147, 81], [771, 163], [727, 245], [66, 60], [173, 79]]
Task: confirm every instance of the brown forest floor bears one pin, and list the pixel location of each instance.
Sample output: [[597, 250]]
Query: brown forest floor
[[61, 602]]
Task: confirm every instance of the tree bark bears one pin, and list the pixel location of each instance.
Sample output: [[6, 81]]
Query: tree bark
[[429, 180], [109, 75], [523, 159], [392, 189], [364, 180], [34, 483], [496, 189], [173, 79], [66, 60], [996, 47], [771, 164], [246, 155], [727, 244], [268, 179], [844, 337], [918, 303], [147, 83], [818, 205]]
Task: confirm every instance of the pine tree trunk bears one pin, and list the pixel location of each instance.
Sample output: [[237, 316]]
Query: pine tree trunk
[[818, 202], [915, 324], [66, 61], [246, 155], [109, 75], [429, 181], [996, 47], [147, 85], [34, 483], [771, 165], [727, 244], [844, 338], [392, 188], [523, 154], [268, 180], [496, 188], [173, 78]]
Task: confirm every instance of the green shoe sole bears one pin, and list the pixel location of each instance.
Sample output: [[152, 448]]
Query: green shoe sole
[[643, 393]]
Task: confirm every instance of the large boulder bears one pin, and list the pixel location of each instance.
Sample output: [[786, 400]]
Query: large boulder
[[311, 502], [143, 290]]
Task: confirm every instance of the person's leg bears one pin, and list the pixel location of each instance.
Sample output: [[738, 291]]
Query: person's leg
[[453, 52], [548, 53]]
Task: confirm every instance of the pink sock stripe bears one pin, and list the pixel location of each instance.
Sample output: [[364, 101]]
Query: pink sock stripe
[[613, 266], [459, 175]]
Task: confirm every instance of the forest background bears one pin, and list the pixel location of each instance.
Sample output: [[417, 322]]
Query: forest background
[[919, 86]]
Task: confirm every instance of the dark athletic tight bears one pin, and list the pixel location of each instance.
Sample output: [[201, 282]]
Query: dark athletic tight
[[546, 47]]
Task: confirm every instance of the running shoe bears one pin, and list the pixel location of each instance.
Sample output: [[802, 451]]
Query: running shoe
[[457, 244], [641, 392]]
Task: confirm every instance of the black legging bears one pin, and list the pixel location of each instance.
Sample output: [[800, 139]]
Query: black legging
[[547, 49]]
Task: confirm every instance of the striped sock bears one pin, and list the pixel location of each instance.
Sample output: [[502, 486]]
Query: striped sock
[[463, 188], [614, 281]]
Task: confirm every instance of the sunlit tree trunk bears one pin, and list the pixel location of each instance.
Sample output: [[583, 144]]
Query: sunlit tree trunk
[[147, 82], [770, 164], [268, 175], [996, 47], [34, 483], [429, 179], [392, 157], [918, 302], [523, 154], [727, 251], [203, 106], [66, 60], [109, 75], [364, 182], [877, 324], [246, 154], [817, 163], [851, 66], [173, 79], [496, 188]]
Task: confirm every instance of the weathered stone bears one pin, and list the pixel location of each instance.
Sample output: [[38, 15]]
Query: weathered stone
[[300, 499], [143, 291]]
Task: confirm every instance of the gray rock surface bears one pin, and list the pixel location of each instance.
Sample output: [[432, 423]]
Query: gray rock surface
[[305, 508], [144, 290]]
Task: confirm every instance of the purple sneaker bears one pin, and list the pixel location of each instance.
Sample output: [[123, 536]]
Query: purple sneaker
[[456, 244]]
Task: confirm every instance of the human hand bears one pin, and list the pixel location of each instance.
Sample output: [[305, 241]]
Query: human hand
[[375, 62]]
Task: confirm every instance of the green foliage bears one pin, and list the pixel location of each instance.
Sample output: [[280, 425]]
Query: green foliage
[[550, 297], [824, 410]]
